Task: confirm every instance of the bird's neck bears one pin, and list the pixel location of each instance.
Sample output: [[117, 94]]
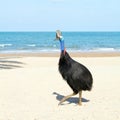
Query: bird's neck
[[62, 47]]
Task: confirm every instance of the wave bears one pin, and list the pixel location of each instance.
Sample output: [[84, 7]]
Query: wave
[[105, 49], [29, 48], [5, 45], [32, 45], [31, 51]]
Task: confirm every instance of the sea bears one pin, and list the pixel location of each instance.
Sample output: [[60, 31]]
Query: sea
[[44, 42]]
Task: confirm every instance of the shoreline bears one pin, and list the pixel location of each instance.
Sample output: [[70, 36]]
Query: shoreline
[[57, 54]]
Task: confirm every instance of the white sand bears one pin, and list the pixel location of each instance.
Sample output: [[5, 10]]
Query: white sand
[[32, 88]]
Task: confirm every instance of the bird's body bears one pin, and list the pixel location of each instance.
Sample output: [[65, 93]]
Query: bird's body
[[75, 74]]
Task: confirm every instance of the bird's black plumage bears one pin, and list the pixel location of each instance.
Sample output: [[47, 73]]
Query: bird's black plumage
[[76, 75]]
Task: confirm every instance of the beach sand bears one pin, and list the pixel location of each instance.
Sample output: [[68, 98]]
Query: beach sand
[[31, 88]]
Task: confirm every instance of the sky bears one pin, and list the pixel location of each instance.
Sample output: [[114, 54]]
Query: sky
[[66, 15]]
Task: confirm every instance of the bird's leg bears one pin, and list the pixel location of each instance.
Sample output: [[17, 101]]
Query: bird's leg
[[80, 98], [66, 97]]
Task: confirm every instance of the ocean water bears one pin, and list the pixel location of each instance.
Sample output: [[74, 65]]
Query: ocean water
[[19, 42]]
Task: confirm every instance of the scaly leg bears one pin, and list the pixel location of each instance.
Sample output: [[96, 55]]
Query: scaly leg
[[80, 98], [66, 97]]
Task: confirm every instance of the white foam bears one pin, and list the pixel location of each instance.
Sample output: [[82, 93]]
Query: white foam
[[31, 45], [104, 49], [5, 45]]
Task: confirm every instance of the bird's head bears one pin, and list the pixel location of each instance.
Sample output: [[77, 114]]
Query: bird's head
[[58, 35]]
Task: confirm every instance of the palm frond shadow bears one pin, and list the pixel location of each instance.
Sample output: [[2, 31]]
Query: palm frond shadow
[[10, 64], [70, 100]]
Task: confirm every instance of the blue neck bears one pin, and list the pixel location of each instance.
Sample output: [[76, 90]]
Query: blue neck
[[62, 44]]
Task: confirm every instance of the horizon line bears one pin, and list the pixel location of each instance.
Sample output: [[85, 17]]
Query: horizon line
[[61, 30]]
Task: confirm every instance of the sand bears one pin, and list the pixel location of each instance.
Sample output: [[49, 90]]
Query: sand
[[31, 88]]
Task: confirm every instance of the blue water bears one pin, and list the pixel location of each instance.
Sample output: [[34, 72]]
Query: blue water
[[15, 42]]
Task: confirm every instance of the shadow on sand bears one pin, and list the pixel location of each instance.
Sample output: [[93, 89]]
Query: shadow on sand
[[70, 100], [9, 64]]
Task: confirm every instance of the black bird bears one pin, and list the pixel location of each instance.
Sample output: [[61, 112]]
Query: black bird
[[75, 74]]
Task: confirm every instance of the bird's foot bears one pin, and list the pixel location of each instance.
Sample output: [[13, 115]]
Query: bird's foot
[[80, 104], [60, 103]]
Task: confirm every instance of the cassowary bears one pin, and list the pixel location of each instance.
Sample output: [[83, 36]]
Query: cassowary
[[75, 74]]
